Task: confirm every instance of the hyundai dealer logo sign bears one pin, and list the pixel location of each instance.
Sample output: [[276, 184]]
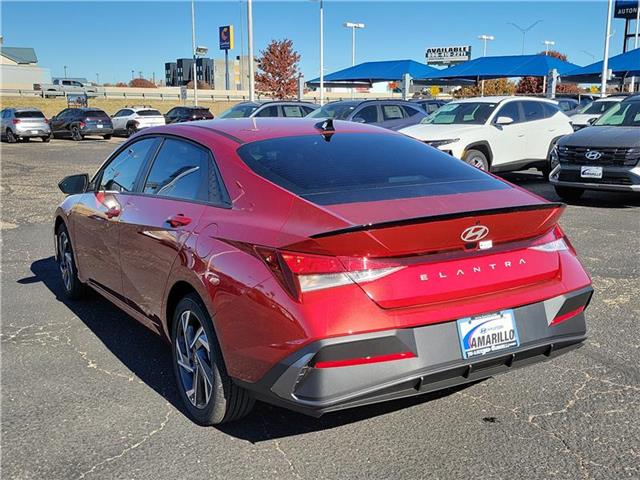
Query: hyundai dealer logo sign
[[474, 234], [593, 155]]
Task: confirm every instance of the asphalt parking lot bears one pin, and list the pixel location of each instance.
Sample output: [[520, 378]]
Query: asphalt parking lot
[[89, 393]]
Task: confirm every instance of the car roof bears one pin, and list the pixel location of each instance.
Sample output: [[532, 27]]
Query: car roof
[[373, 100], [260, 103], [23, 109], [245, 130], [500, 98]]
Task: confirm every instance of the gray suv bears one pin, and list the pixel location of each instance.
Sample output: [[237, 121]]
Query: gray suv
[[277, 108], [605, 156], [24, 124], [391, 114]]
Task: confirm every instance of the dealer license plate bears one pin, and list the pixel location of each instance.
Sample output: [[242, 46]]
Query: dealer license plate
[[591, 172], [34, 132], [99, 125], [487, 333]]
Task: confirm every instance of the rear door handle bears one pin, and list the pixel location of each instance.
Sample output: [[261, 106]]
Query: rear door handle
[[178, 221]]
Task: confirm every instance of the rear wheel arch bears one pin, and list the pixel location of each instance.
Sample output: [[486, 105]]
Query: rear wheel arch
[[59, 221]]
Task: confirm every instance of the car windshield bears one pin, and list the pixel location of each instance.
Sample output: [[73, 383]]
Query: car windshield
[[239, 111], [337, 110], [597, 108], [29, 114], [475, 113], [624, 114], [149, 113], [363, 167]]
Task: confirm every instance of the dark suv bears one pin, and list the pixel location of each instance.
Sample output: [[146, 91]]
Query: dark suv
[[391, 114], [291, 109], [77, 123], [187, 114], [605, 156]]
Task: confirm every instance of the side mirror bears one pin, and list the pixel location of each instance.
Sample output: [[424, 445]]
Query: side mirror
[[504, 121], [359, 120], [591, 121], [74, 184]]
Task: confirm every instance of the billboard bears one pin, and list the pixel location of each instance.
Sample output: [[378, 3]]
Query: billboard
[[225, 37], [448, 55], [626, 9]]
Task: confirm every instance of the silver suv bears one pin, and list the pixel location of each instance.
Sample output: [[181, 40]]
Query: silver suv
[[24, 124]]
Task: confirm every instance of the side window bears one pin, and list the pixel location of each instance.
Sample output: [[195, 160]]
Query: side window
[[368, 114], [172, 112], [64, 113], [270, 111], [121, 172], [66, 82], [392, 112], [532, 110], [410, 111], [549, 109], [292, 111], [118, 114], [180, 170], [511, 110]]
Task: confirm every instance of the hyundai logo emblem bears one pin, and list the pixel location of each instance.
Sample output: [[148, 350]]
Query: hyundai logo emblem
[[474, 234], [593, 155]]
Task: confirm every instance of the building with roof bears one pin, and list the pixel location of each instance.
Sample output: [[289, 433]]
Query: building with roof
[[19, 68]]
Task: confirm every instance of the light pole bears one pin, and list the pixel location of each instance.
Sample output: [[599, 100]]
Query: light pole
[[193, 45], [65, 71], [605, 62], [524, 30], [321, 53], [632, 85], [252, 79], [353, 27], [97, 79], [485, 39], [132, 74]]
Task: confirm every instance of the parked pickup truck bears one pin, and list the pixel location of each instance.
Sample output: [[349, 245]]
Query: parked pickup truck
[[60, 86]]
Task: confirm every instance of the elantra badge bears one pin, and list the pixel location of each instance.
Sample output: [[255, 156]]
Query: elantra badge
[[474, 234], [593, 155]]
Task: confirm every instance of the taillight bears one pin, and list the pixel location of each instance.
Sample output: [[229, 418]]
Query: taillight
[[567, 316], [302, 272], [82, 124], [555, 241], [16, 121], [46, 120]]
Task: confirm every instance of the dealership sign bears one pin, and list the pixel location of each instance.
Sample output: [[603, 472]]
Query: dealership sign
[[626, 8], [225, 37], [448, 55]]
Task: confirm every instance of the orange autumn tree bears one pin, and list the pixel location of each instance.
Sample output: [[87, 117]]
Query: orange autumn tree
[[278, 70]]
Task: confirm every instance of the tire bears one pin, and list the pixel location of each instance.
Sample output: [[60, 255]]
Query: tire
[[476, 159], [226, 401], [76, 135], [11, 138], [47, 139], [25, 139], [569, 193], [73, 288], [131, 130], [107, 137]]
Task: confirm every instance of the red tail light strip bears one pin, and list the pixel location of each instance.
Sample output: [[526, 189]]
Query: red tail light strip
[[364, 360], [568, 315]]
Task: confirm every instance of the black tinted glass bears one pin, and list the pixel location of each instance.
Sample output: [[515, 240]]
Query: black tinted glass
[[532, 111], [511, 110], [344, 168], [179, 171], [149, 113], [271, 111], [29, 114], [95, 113], [120, 174]]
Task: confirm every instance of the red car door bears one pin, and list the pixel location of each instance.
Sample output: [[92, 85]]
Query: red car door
[[96, 217], [156, 223]]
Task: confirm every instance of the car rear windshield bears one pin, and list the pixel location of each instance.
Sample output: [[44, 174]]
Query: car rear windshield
[[239, 111], [95, 113], [361, 167], [149, 113], [29, 114], [338, 110]]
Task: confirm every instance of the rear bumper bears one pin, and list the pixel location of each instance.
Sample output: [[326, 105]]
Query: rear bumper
[[38, 131], [438, 363], [97, 131]]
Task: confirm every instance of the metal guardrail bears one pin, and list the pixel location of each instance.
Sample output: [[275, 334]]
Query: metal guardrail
[[163, 96]]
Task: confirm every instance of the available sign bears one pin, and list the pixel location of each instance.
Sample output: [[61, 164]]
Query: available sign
[[626, 8], [448, 55]]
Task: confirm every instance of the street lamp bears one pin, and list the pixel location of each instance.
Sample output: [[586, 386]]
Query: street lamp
[[65, 71], [547, 44], [605, 62], [485, 39], [353, 27], [524, 30], [321, 53], [97, 79], [252, 79]]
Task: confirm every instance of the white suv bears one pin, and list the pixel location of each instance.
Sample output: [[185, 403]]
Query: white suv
[[496, 133], [131, 119]]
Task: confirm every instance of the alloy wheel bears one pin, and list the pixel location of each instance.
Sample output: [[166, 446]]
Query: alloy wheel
[[193, 356], [477, 162], [66, 260], [11, 138]]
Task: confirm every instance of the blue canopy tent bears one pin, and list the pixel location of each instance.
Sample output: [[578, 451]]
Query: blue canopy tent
[[486, 68], [623, 65], [367, 73]]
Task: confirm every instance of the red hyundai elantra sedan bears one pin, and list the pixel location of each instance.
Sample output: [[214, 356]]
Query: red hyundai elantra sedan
[[319, 266]]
